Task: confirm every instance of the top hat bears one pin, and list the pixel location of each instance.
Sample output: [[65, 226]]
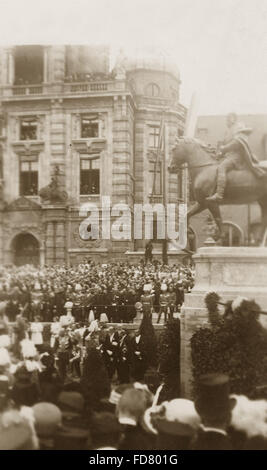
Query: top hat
[[105, 422], [71, 403], [212, 394]]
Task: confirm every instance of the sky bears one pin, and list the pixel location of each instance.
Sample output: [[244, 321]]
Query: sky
[[219, 46]]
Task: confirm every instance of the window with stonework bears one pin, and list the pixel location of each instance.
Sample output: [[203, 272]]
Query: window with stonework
[[89, 176], [155, 178], [153, 90], [153, 140], [29, 178], [29, 65], [89, 127], [28, 128]]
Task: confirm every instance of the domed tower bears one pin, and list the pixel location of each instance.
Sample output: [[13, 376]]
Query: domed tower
[[153, 75], [159, 119]]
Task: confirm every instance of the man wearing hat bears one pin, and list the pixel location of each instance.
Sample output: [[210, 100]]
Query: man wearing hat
[[214, 406], [147, 300], [48, 421], [17, 434], [111, 350], [164, 300], [62, 348], [105, 431], [237, 155], [123, 367]]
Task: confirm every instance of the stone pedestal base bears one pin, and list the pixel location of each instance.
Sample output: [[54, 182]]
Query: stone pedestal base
[[230, 272]]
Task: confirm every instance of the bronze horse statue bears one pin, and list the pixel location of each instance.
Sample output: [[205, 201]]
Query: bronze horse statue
[[242, 187]]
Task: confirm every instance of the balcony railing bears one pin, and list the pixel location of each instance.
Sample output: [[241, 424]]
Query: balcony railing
[[85, 87], [51, 89], [27, 90], [93, 87]]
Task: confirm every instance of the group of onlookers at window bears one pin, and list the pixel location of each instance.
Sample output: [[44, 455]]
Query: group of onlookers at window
[[88, 77]]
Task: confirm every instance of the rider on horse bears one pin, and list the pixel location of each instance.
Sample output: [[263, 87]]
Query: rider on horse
[[237, 154]]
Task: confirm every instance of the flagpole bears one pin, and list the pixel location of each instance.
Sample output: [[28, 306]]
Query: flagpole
[[164, 192], [189, 131]]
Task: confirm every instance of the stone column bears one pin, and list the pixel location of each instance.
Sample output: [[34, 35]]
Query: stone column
[[42, 256], [60, 242], [50, 244], [1, 237], [45, 74], [11, 67]]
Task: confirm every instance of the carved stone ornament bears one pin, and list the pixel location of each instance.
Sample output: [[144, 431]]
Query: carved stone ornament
[[23, 204], [28, 148], [89, 146], [52, 193], [86, 243]]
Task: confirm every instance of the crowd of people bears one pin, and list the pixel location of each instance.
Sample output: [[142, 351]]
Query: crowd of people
[[88, 77], [115, 289], [81, 383], [93, 388]]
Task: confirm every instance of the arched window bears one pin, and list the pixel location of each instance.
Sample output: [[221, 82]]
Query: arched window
[[152, 89], [232, 235], [26, 250]]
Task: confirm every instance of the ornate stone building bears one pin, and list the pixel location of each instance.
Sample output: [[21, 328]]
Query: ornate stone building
[[71, 133]]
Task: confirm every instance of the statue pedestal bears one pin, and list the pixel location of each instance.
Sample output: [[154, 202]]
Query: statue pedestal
[[228, 271]]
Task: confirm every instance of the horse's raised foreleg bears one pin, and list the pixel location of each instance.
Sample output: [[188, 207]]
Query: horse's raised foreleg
[[216, 214], [195, 209]]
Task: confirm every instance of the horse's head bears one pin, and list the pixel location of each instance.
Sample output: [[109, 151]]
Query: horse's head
[[178, 155]]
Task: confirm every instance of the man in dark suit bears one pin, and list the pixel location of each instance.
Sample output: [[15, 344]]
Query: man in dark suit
[[62, 349], [137, 357], [110, 351], [123, 368], [214, 406]]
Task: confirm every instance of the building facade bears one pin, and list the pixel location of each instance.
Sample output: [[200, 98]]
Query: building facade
[[72, 132]]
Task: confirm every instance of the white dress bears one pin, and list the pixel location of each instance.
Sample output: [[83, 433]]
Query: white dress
[[55, 329], [37, 330]]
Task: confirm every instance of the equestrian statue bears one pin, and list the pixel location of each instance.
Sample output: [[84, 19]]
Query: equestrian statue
[[232, 175]]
